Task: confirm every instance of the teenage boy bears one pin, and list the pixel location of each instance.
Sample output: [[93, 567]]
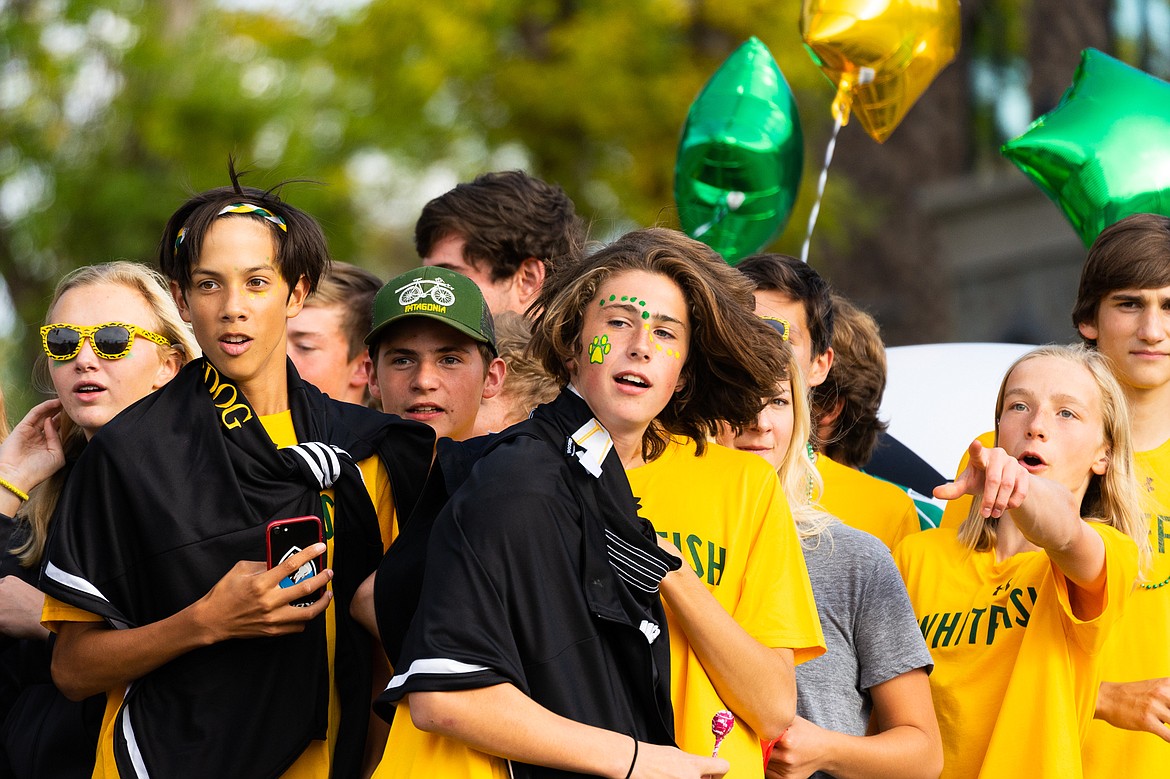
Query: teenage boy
[[789, 289], [433, 348], [326, 341], [153, 575], [1123, 309], [505, 231]]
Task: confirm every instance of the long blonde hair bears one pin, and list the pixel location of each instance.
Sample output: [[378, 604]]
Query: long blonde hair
[[42, 502], [1111, 499], [801, 480]]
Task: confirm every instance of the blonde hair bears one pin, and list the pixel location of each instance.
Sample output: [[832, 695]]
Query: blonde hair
[[42, 502], [4, 428], [1111, 499], [526, 383], [352, 289], [801, 480]]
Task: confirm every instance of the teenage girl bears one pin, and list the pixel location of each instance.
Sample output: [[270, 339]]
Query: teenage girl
[[1017, 601], [863, 708]]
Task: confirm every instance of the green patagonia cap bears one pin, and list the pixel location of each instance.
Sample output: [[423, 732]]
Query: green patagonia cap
[[436, 293]]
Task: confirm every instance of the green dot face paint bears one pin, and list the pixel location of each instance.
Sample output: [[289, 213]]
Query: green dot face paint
[[601, 346]]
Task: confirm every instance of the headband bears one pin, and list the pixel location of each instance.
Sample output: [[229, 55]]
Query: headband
[[238, 208]]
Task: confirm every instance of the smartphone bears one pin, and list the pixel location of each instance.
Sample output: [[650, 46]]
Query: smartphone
[[287, 537]]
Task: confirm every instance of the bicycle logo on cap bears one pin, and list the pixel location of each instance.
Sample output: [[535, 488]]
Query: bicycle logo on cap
[[440, 291]]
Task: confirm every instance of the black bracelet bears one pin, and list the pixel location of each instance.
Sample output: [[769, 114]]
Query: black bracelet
[[635, 760]]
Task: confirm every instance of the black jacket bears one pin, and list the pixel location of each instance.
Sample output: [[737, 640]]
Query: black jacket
[[164, 500], [527, 582]]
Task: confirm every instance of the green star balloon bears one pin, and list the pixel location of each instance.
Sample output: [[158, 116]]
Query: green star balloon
[[740, 156], [1104, 152]]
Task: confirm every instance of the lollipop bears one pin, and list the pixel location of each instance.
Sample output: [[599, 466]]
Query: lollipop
[[721, 725]]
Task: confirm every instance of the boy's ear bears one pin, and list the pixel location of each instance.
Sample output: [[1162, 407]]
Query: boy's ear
[[375, 390], [493, 381], [296, 296], [1088, 330], [819, 370], [528, 280], [361, 368], [180, 301]]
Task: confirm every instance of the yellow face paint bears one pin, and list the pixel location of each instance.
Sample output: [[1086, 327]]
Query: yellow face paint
[[671, 352]]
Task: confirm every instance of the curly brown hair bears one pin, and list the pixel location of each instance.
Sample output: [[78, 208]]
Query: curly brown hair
[[734, 357]]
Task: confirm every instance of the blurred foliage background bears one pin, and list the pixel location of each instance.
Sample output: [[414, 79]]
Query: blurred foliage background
[[113, 111]]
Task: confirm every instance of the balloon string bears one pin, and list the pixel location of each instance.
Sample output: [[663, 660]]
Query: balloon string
[[816, 209]]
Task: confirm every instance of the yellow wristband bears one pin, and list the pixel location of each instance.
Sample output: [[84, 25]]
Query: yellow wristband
[[14, 490]]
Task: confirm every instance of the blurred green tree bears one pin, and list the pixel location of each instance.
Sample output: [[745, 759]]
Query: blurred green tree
[[111, 111]]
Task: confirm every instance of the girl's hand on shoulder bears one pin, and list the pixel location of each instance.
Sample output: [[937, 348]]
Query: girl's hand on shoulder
[[33, 452], [995, 475]]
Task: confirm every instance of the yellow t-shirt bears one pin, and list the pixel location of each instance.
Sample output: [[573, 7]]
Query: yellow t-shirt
[[1138, 648], [866, 502], [316, 760], [726, 513], [1016, 672], [957, 509]]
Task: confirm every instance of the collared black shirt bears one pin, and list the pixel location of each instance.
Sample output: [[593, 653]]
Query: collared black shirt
[[520, 587]]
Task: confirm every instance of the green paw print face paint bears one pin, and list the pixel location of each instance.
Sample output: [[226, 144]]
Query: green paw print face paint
[[599, 348]]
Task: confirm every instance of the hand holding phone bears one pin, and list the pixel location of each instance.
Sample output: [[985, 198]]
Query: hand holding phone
[[287, 537]]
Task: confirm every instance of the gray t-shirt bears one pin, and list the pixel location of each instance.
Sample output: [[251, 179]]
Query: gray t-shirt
[[871, 635]]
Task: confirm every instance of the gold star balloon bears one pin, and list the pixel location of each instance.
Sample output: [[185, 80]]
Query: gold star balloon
[[1104, 152], [740, 155], [880, 54]]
